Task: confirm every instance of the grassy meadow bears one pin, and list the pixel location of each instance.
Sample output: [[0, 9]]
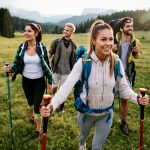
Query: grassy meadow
[[62, 128]]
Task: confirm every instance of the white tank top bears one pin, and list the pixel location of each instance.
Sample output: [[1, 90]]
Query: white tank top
[[32, 67]]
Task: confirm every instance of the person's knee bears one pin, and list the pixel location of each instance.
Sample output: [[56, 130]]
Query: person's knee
[[54, 90], [50, 88], [37, 116], [124, 102]]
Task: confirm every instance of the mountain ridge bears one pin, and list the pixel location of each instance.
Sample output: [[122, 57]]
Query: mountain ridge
[[87, 13]]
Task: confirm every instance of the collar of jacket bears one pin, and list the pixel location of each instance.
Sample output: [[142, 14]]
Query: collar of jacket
[[118, 37], [95, 58], [73, 44], [38, 48]]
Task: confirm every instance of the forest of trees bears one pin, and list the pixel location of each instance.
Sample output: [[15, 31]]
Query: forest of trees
[[19, 25], [6, 23], [9, 25], [141, 20]]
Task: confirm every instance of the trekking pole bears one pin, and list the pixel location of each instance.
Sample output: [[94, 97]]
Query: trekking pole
[[46, 85], [46, 98], [143, 91], [9, 104]]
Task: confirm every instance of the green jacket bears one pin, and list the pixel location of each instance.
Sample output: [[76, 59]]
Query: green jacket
[[18, 64], [55, 51], [130, 56], [130, 69]]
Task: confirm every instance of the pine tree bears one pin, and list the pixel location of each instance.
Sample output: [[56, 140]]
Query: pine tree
[[6, 25]]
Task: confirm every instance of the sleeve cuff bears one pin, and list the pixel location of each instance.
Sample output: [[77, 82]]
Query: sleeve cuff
[[134, 98], [55, 105]]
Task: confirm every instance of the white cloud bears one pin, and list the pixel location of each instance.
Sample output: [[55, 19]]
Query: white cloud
[[75, 6]]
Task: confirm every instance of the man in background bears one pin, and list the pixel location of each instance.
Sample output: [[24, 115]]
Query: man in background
[[128, 48], [62, 53]]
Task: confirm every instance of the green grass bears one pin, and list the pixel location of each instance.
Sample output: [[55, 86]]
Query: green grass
[[62, 128]]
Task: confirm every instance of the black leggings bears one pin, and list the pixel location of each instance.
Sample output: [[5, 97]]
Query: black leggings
[[34, 90]]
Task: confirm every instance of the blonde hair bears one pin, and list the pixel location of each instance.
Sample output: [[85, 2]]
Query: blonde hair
[[97, 26], [71, 25]]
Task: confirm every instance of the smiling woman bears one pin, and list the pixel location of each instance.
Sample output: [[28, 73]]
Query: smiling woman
[[32, 32], [62, 129], [28, 63], [96, 100]]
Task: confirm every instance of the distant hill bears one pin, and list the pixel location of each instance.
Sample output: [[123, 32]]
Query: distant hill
[[87, 13], [59, 20], [77, 19], [20, 23], [83, 22], [36, 16]]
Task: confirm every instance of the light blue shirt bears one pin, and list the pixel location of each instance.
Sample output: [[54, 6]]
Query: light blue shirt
[[124, 46]]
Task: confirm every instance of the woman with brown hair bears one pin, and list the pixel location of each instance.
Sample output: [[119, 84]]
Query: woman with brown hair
[[28, 63]]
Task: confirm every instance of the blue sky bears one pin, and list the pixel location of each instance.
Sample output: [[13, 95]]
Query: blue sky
[[74, 7]]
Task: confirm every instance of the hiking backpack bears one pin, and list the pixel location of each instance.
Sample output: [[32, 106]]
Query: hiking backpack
[[115, 24], [81, 52], [78, 89]]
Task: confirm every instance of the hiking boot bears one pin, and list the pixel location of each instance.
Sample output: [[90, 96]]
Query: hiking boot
[[82, 147], [62, 108], [36, 135], [124, 128]]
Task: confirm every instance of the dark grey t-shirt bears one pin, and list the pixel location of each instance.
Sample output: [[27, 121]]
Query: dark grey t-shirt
[[63, 64]]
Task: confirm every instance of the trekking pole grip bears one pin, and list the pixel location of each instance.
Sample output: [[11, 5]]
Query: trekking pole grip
[[46, 98], [143, 91]]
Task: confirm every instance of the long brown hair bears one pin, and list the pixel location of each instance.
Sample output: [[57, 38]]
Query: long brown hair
[[36, 28], [97, 26]]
